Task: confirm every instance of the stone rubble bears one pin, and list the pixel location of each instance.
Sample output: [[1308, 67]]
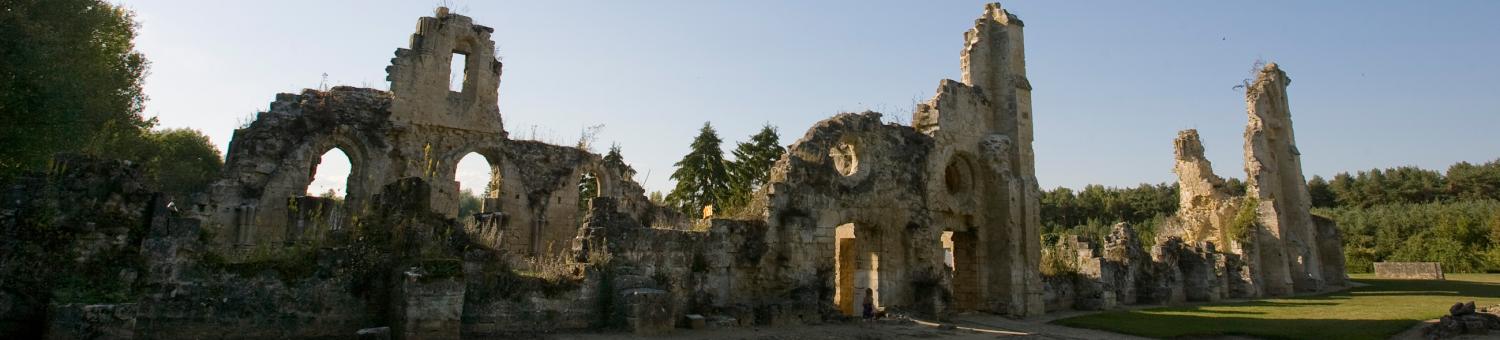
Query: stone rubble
[[1465, 319]]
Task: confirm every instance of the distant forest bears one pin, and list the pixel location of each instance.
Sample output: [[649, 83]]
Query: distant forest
[[1395, 214]]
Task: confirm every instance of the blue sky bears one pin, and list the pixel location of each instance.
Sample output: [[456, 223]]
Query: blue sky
[[1374, 84]]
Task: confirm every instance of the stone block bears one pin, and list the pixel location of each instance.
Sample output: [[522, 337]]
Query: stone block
[[696, 321], [1409, 270], [377, 333], [647, 311]]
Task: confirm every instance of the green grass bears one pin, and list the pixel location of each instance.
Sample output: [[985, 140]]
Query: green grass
[[1377, 311]]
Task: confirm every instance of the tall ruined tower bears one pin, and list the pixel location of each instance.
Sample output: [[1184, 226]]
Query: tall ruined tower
[[1274, 170], [983, 127], [994, 60]]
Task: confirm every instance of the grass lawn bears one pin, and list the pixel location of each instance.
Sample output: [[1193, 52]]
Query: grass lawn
[[1377, 311]]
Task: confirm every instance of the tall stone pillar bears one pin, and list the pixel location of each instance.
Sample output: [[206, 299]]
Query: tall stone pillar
[[1273, 166]]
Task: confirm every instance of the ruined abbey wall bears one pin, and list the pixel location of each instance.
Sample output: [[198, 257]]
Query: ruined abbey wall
[[418, 129], [929, 219], [1218, 245]]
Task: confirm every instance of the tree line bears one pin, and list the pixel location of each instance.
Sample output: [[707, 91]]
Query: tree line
[[71, 81], [1413, 214], [1092, 210]]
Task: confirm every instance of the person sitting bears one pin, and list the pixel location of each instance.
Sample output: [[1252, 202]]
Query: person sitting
[[869, 304]]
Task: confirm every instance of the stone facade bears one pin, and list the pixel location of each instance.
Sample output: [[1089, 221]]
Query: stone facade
[[926, 219], [929, 219], [419, 129]]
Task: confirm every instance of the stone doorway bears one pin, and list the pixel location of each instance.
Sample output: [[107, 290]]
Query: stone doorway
[[856, 268], [962, 261]]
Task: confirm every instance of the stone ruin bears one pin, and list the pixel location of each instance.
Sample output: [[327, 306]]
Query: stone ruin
[[928, 219], [1218, 245], [1465, 321], [931, 219]]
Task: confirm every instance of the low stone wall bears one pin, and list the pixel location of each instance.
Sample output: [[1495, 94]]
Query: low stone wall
[[1409, 270]]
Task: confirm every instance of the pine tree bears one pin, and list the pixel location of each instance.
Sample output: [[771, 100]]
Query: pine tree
[[1321, 194], [752, 163], [702, 175], [614, 160]]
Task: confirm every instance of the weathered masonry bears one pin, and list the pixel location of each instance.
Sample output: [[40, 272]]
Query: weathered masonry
[[419, 129], [1218, 245], [929, 219]]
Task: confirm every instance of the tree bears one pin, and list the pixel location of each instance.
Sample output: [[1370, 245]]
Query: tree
[[1471, 181], [752, 163], [702, 175], [614, 160], [469, 204], [657, 198], [1234, 187], [180, 161], [1320, 193], [70, 80]]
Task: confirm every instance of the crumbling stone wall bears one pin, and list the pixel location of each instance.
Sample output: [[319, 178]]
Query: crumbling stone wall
[[1220, 246], [71, 235], [854, 204], [419, 129]]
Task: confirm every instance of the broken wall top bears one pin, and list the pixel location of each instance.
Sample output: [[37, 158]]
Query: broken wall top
[[420, 76]]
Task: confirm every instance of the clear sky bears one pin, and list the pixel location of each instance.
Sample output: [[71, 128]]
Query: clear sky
[[1375, 83]]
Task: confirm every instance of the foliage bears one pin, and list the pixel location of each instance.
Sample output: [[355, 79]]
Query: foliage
[[180, 162], [1092, 211], [1245, 221], [752, 163], [70, 81], [588, 188], [1463, 181], [702, 175], [1458, 234], [1058, 259], [657, 198], [1377, 311], [1320, 193], [469, 204], [614, 160]]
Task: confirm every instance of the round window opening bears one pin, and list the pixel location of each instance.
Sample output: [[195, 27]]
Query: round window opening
[[956, 176], [844, 158]]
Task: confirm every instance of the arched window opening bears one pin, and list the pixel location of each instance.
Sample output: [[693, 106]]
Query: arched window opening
[[956, 177], [478, 185], [330, 175], [320, 208]]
